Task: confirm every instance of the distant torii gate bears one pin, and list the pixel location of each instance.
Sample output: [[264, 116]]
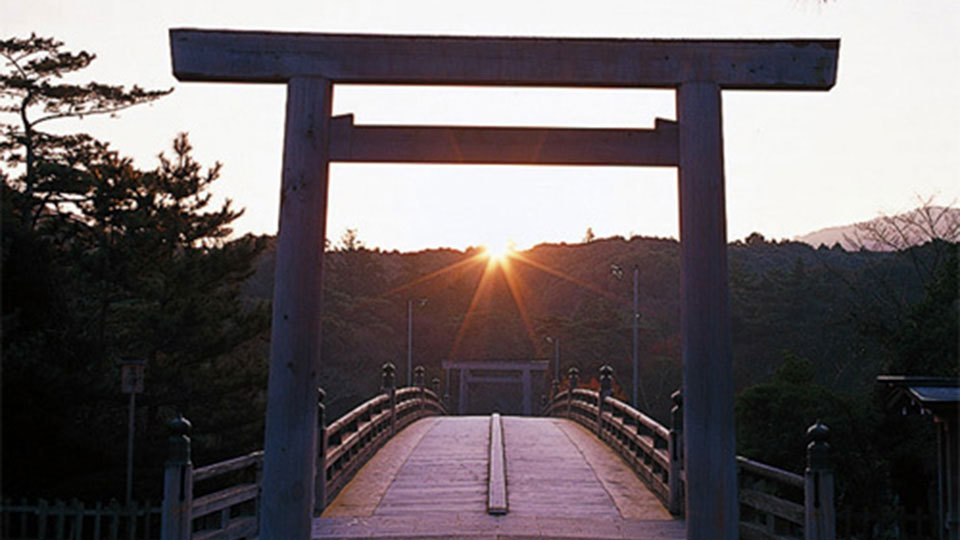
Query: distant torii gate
[[309, 64]]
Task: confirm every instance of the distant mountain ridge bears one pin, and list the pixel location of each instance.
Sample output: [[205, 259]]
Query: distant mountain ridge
[[904, 230]]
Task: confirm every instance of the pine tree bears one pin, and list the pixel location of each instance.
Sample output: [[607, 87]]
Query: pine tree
[[32, 89], [103, 261]]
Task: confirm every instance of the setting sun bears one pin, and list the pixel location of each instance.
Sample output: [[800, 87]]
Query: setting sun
[[499, 251]]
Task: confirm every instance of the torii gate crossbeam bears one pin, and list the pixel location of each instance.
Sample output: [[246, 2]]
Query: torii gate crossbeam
[[309, 64]]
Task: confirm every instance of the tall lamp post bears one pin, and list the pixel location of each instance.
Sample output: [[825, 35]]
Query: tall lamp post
[[131, 382], [422, 302], [556, 355], [617, 272]]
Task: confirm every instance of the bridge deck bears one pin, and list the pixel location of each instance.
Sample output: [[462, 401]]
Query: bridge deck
[[431, 480]]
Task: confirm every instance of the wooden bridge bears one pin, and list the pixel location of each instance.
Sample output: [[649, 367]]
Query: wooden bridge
[[434, 479], [590, 467]]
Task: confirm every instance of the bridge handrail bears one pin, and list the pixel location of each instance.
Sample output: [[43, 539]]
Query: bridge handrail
[[771, 501], [350, 440], [648, 423], [640, 440], [235, 464], [343, 447], [361, 410], [770, 472], [777, 504], [357, 435]]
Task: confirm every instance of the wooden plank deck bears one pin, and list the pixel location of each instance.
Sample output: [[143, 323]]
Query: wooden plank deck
[[431, 481]]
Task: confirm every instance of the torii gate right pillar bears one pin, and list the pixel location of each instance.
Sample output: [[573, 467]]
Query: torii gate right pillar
[[710, 456]]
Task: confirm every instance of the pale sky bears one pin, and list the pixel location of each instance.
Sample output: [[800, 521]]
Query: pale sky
[[795, 161]]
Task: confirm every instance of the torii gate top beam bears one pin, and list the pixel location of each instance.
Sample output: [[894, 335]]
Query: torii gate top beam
[[247, 56]]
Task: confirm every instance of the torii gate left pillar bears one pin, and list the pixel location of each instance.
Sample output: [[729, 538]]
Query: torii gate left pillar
[[310, 63]]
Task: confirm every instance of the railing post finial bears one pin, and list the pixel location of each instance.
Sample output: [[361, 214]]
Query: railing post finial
[[820, 521], [606, 383], [675, 448], [177, 521], [179, 441], [573, 376], [389, 373], [389, 387], [418, 378], [419, 382], [320, 477], [321, 408], [606, 390], [676, 413]]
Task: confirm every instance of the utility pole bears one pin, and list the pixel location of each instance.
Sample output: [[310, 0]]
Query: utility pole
[[617, 272], [636, 339], [422, 302], [556, 355]]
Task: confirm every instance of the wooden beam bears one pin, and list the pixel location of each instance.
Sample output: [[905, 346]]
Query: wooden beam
[[540, 146], [497, 365], [248, 56], [496, 380], [497, 472]]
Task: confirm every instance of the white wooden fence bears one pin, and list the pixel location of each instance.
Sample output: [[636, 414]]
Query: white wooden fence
[[75, 520]]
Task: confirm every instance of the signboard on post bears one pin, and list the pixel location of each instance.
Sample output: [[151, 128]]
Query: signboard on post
[[131, 375], [131, 382]]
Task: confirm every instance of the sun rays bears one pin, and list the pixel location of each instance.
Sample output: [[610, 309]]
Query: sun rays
[[500, 260]]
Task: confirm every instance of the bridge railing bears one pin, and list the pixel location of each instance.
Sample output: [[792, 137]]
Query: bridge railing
[[640, 440], [230, 509], [775, 504], [769, 507]]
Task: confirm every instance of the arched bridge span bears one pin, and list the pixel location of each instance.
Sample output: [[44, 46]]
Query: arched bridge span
[[396, 466]]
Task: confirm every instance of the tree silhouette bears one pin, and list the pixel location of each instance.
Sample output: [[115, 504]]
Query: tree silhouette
[[32, 88]]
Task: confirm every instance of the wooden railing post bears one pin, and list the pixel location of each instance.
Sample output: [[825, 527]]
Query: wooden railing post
[[178, 484], [820, 521], [258, 478], [320, 476], [675, 482], [418, 381], [554, 389], [606, 390], [388, 385], [574, 376], [435, 386]]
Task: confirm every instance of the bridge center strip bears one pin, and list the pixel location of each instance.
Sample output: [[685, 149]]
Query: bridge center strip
[[497, 477]]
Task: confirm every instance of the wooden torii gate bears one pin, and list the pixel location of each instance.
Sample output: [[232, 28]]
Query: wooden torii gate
[[310, 64]]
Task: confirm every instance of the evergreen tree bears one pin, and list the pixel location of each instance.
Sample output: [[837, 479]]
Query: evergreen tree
[[33, 91], [104, 261]]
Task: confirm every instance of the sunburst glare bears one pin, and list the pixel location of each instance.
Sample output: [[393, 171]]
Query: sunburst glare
[[499, 251]]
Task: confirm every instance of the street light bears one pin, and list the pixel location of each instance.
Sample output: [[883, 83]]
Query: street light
[[617, 272], [556, 355], [422, 302]]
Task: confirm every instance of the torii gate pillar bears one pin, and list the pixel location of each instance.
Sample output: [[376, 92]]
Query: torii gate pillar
[[290, 444], [710, 448], [310, 63]]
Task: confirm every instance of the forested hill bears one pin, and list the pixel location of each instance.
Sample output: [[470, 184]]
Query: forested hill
[[840, 310]]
